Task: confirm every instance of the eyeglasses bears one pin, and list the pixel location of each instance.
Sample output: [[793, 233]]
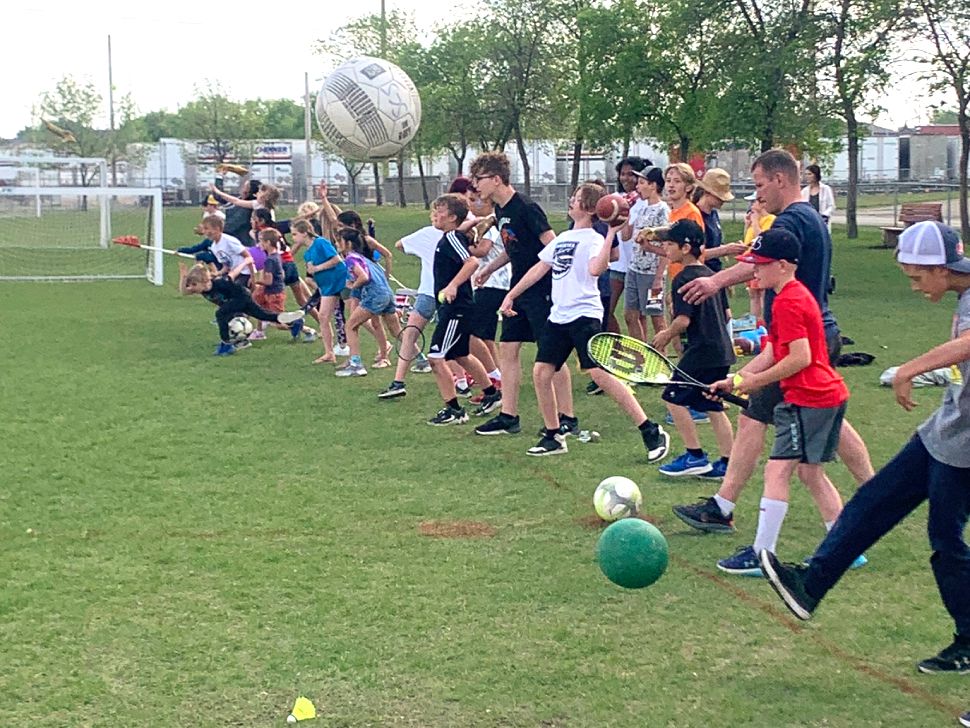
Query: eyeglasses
[[480, 177]]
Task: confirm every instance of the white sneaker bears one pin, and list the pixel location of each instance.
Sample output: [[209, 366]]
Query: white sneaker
[[309, 336], [341, 350], [352, 370], [290, 316]]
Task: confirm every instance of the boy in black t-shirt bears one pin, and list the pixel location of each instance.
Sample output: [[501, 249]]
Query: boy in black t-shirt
[[525, 231], [708, 355], [232, 300], [453, 269]]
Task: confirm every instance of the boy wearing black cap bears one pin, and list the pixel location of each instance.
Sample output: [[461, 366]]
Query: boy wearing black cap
[[808, 420], [933, 466], [708, 354]]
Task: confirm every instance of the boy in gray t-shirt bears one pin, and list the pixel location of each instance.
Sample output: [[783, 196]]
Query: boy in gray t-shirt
[[933, 466]]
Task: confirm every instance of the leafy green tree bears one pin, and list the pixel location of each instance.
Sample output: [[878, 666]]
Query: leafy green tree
[[946, 23], [944, 116], [227, 127], [66, 114], [855, 64]]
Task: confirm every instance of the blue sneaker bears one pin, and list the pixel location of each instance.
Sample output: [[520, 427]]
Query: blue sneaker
[[686, 464], [860, 561], [225, 349], [296, 328], [717, 472], [744, 562], [700, 418]]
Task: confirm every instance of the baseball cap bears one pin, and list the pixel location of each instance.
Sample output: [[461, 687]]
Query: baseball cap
[[210, 200], [650, 174], [773, 244], [932, 243], [683, 232]]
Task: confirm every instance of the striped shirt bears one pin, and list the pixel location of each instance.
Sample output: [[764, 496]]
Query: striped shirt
[[449, 257]]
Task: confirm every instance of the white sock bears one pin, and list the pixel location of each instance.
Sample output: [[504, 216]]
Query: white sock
[[828, 525], [496, 375], [726, 506], [769, 524], [461, 383]]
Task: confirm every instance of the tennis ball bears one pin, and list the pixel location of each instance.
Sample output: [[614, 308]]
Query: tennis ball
[[441, 297], [737, 381]]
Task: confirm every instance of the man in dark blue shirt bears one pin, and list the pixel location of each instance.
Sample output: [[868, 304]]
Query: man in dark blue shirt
[[776, 179]]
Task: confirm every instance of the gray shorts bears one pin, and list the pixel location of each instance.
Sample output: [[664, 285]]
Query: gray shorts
[[636, 292], [807, 434]]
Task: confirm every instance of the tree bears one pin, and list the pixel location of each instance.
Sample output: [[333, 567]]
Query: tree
[[944, 116], [522, 47], [856, 62], [947, 25], [224, 126], [69, 110]]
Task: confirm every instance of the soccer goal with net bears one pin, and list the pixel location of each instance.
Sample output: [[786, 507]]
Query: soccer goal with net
[[65, 233]]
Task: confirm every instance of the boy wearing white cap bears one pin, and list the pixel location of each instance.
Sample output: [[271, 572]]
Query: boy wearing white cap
[[933, 466]]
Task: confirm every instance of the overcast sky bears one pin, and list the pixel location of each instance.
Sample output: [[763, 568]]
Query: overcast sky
[[162, 50]]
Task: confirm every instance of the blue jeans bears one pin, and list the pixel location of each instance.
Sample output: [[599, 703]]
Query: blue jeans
[[907, 480]]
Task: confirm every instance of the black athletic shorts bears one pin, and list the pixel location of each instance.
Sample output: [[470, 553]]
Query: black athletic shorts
[[484, 315], [558, 341], [450, 338], [533, 315], [693, 397]]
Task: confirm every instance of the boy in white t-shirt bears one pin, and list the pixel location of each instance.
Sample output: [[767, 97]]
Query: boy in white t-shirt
[[420, 244], [577, 258], [645, 273]]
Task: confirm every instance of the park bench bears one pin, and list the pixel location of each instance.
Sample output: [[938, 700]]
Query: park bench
[[912, 212]]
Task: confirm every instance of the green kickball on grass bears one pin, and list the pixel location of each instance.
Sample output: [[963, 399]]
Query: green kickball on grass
[[632, 553]]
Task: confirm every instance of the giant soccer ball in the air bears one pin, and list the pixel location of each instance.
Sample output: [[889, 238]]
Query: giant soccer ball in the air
[[368, 109], [617, 497]]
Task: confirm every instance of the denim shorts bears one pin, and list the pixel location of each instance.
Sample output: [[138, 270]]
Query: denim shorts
[[377, 302], [424, 305]]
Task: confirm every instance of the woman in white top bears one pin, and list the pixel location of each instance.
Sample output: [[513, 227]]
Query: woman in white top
[[819, 195]]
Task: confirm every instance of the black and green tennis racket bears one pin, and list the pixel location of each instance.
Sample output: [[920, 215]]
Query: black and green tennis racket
[[635, 361]]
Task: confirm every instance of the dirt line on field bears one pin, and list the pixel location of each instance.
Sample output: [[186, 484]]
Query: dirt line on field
[[796, 627]]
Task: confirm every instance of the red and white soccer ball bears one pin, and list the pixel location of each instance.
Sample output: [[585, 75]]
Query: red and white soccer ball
[[613, 209], [368, 109]]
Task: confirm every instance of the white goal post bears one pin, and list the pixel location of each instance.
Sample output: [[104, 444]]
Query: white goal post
[[57, 234]]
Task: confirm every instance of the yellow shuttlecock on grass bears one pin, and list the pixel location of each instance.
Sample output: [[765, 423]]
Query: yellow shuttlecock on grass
[[302, 710]]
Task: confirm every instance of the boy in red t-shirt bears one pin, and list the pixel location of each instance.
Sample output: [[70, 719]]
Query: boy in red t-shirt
[[808, 421]]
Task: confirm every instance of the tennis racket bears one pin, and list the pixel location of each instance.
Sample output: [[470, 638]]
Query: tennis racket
[[634, 361], [409, 343]]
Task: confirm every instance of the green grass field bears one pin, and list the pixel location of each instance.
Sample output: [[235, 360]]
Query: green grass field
[[188, 540]]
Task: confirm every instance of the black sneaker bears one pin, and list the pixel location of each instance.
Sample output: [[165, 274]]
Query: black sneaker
[[965, 719], [955, 659], [593, 388], [705, 515], [568, 426], [657, 442], [489, 403], [555, 445], [394, 389], [449, 416], [789, 581], [501, 424]]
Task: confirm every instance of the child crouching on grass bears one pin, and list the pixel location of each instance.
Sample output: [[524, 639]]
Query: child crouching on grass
[[233, 300], [577, 258], [933, 466]]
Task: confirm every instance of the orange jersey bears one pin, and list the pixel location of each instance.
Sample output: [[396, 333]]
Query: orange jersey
[[687, 211]]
